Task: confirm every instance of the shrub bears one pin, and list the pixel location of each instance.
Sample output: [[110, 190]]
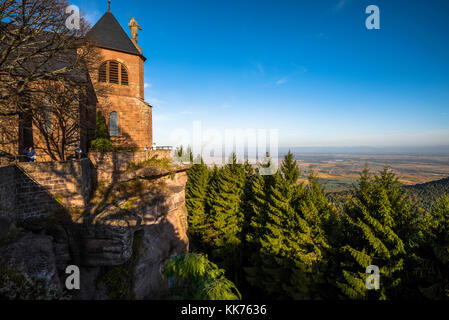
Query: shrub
[[193, 277], [101, 145], [101, 130]]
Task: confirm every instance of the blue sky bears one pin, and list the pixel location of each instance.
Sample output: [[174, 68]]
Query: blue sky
[[308, 68]]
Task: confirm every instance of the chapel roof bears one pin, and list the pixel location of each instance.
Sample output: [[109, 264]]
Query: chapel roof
[[108, 33]]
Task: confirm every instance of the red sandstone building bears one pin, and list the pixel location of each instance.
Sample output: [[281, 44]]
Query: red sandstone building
[[120, 79]]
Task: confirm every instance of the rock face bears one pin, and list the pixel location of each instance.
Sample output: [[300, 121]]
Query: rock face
[[33, 255], [120, 242]]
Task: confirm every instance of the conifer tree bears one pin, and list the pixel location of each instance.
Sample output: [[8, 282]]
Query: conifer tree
[[371, 240], [308, 242], [255, 220], [434, 253], [290, 170], [196, 192], [280, 213], [273, 242], [408, 227], [101, 140], [101, 131], [226, 217]]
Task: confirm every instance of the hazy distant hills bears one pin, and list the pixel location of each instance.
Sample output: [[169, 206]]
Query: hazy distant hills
[[417, 151], [422, 195], [427, 193]]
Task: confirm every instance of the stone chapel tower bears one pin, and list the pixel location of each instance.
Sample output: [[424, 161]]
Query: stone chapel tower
[[120, 79]]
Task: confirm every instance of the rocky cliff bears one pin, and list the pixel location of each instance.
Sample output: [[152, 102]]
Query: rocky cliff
[[119, 241]]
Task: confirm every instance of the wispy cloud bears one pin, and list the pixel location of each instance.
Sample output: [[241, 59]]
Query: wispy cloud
[[147, 85], [281, 81]]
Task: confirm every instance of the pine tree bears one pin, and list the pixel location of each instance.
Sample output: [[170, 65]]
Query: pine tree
[[196, 192], [308, 241], [225, 213], [274, 240], [290, 170], [255, 220], [101, 140], [434, 253], [371, 240], [407, 226], [101, 130], [274, 251]]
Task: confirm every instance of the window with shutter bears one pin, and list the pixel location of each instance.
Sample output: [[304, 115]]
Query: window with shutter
[[113, 72], [124, 76], [102, 76]]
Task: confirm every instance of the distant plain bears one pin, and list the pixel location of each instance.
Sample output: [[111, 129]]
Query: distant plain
[[338, 172]]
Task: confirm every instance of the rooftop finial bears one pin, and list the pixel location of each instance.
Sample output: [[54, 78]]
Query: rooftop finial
[[109, 5]]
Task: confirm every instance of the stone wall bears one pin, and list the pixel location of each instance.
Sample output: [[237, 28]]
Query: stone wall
[[36, 190], [7, 191], [109, 164], [131, 226], [70, 181], [106, 241]]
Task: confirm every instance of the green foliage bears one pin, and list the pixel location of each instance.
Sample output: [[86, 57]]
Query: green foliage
[[101, 130], [293, 243], [101, 142], [434, 254], [193, 277], [427, 194], [225, 215], [101, 145], [255, 208], [372, 237], [196, 190]]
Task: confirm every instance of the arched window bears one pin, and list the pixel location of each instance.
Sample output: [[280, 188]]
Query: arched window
[[113, 72], [113, 124]]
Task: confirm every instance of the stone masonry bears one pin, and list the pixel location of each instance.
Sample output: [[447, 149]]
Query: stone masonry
[[37, 190]]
